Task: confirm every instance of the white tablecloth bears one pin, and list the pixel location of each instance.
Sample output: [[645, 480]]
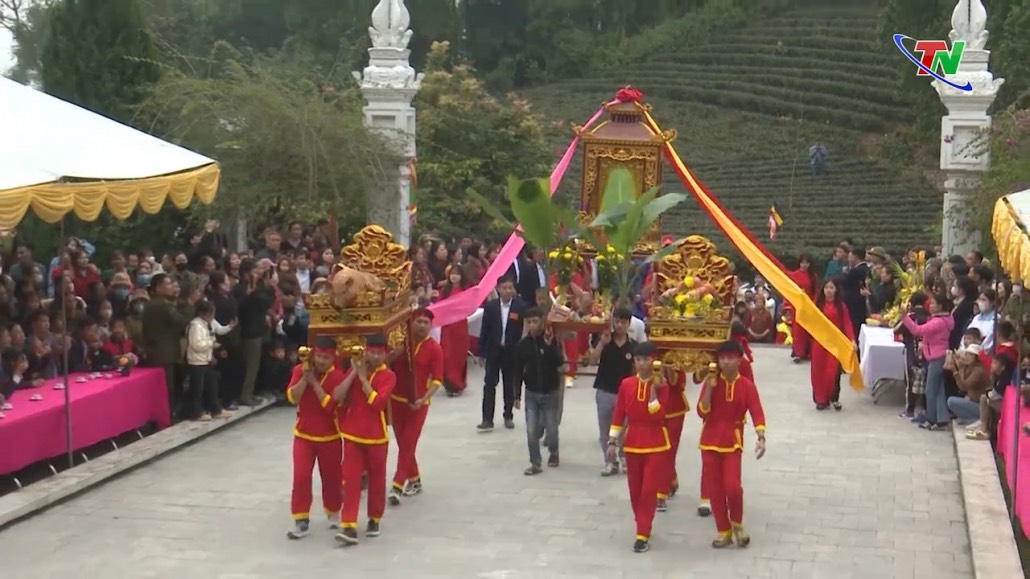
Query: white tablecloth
[[475, 323], [882, 357]]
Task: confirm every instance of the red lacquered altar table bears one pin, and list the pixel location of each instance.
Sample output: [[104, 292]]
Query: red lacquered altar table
[[101, 408]]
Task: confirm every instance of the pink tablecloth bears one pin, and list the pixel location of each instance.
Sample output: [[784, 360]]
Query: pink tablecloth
[[1015, 454], [101, 408]]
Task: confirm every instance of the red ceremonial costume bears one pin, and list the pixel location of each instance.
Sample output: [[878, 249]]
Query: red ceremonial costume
[[722, 442], [646, 444], [315, 438], [745, 362], [418, 370], [825, 371], [675, 414], [801, 346], [454, 341], [362, 425]]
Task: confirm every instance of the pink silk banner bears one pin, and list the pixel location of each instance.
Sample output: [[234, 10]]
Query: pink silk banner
[[462, 305], [1014, 450]]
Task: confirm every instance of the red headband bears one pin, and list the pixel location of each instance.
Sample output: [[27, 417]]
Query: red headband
[[375, 348], [325, 351], [422, 314], [729, 355]]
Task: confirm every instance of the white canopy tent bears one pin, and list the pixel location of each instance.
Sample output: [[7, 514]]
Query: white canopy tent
[[57, 157]]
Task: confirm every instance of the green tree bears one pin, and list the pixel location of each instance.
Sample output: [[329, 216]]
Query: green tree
[[99, 55], [28, 23], [1008, 143], [1012, 51], [468, 140], [290, 139]]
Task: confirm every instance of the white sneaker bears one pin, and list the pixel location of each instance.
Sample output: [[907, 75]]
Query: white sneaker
[[334, 521], [974, 426], [299, 530], [570, 382]]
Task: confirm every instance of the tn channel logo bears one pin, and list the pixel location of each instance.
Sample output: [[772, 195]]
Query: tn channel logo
[[936, 56]]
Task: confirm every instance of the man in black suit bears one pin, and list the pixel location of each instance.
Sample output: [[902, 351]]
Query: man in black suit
[[86, 353], [853, 284], [498, 338], [526, 275]]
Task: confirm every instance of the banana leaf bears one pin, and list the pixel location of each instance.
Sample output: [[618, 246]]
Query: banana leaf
[[531, 204]]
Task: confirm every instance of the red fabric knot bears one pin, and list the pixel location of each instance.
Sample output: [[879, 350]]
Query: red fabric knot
[[628, 94]]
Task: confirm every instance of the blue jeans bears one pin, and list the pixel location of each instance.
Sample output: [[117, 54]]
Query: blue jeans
[[541, 421], [965, 410], [936, 398], [605, 406]]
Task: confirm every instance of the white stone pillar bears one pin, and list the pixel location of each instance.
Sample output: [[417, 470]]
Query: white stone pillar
[[389, 84], [962, 156]]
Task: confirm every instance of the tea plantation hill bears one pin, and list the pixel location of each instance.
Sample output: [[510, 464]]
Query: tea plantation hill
[[746, 116]]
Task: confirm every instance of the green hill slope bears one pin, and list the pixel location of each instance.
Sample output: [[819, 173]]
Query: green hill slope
[[746, 116]]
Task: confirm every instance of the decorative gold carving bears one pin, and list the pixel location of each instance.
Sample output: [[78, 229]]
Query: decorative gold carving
[[348, 345], [374, 252], [687, 360], [687, 330], [324, 315], [397, 336], [696, 257]]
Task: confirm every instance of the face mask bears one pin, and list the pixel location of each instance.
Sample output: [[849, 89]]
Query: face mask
[[143, 279], [137, 309], [181, 266], [121, 292]]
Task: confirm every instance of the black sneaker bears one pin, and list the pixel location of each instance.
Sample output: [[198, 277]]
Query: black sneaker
[[704, 510], [662, 506], [509, 423], [372, 530], [837, 406], [394, 497], [641, 546], [485, 426], [347, 536]]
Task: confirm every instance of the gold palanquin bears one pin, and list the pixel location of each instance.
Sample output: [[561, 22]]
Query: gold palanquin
[[623, 140], [688, 344], [384, 313]]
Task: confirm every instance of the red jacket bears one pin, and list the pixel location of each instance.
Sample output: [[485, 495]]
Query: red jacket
[[427, 362], [678, 405], [316, 419], [723, 428], [364, 418], [116, 349], [645, 426]]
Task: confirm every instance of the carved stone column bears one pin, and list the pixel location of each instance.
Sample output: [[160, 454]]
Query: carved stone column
[[962, 159], [389, 84]]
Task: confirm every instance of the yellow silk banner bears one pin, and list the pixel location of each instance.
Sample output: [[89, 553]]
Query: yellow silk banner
[[806, 312], [52, 201]]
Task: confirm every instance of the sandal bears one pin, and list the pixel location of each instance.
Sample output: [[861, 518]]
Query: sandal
[[532, 470], [978, 435]]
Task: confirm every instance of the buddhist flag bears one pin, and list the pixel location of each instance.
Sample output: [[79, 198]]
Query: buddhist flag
[[775, 221], [413, 182]]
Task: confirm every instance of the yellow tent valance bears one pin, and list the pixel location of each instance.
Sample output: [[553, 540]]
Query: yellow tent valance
[[1010, 237], [52, 201]]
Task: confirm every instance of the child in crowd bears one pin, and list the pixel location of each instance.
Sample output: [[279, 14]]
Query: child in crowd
[[1002, 366], [118, 342], [915, 396], [276, 370]]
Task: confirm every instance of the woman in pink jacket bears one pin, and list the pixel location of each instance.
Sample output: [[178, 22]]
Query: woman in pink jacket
[[934, 335]]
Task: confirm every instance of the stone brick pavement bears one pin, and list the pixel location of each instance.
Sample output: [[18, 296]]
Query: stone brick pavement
[[859, 494]]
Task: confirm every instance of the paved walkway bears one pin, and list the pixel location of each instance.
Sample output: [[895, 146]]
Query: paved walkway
[[858, 494]]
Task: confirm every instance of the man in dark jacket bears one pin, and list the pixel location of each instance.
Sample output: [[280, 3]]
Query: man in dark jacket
[[164, 326], [254, 296], [498, 338], [538, 362]]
